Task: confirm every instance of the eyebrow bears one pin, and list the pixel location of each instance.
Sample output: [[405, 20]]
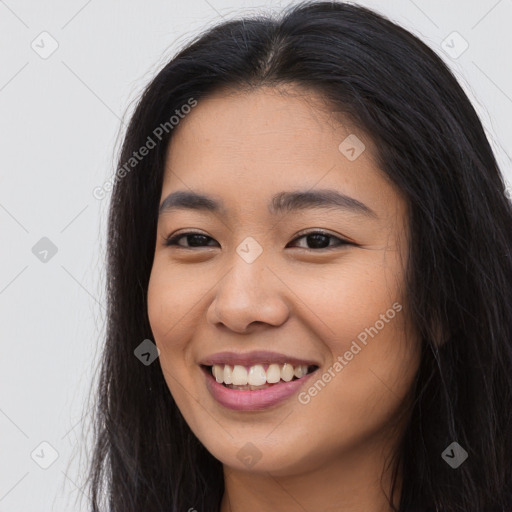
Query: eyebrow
[[282, 202]]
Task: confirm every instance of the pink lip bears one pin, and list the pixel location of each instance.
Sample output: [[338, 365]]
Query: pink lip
[[255, 357], [252, 400]]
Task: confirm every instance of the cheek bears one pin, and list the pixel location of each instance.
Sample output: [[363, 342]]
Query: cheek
[[176, 307], [171, 316], [174, 302], [374, 350], [343, 300], [359, 396], [160, 302]]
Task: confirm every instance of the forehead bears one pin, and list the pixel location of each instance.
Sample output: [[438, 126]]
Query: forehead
[[260, 120], [242, 144]]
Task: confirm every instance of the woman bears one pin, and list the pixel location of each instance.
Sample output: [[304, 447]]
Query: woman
[[309, 270]]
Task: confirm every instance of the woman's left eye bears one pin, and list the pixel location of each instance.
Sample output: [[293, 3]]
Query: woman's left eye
[[321, 240], [316, 239]]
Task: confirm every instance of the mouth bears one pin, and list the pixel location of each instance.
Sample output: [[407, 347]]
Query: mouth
[[257, 376], [255, 386]]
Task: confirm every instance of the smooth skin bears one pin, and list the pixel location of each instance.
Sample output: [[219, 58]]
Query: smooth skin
[[295, 298]]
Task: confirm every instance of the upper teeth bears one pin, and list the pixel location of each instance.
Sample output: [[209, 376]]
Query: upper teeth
[[256, 375]]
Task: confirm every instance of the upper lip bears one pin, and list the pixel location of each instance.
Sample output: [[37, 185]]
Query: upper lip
[[254, 357]]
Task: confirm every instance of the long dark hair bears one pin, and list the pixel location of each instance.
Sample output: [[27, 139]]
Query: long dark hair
[[431, 144]]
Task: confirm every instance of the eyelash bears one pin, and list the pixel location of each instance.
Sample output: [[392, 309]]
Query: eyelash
[[172, 240]]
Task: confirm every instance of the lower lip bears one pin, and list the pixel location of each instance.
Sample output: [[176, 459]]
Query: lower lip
[[256, 400]]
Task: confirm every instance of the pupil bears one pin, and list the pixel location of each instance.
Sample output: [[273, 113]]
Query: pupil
[[317, 241], [192, 237]]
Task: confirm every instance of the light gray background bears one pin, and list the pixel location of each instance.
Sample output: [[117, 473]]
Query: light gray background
[[59, 124]]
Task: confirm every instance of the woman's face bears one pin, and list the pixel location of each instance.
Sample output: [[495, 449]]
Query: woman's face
[[251, 292]]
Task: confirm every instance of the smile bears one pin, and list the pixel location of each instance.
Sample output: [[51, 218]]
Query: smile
[[255, 387], [258, 376]]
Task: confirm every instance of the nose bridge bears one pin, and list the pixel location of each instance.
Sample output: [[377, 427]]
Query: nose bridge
[[249, 275], [249, 292]]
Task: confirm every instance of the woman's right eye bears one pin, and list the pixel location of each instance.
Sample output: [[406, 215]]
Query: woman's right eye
[[193, 240]]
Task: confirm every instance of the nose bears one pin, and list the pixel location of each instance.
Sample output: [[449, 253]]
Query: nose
[[249, 295]]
